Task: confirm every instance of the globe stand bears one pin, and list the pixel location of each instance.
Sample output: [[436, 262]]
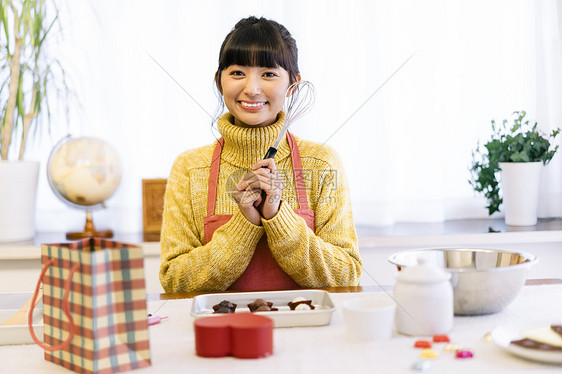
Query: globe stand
[[89, 230]]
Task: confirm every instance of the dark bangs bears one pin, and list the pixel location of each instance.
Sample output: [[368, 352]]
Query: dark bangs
[[258, 44]]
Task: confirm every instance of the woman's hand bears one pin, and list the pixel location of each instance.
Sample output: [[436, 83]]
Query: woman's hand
[[272, 184], [247, 195]]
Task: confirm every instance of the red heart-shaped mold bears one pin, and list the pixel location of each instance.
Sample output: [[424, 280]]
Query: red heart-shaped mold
[[242, 335]]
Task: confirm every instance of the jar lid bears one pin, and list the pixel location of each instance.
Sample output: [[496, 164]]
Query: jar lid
[[423, 273]]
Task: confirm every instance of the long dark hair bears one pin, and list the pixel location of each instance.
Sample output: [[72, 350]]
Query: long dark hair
[[259, 42]]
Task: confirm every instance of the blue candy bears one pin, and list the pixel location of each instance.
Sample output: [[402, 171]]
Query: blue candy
[[421, 365]]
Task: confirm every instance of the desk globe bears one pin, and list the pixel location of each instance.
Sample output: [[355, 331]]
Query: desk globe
[[84, 172]]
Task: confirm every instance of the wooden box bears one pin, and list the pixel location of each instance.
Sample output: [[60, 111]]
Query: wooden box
[[153, 191]]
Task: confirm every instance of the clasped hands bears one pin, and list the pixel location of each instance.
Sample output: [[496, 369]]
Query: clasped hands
[[248, 192]]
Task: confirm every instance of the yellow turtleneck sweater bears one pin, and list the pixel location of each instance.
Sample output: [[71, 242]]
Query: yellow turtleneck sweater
[[327, 257]]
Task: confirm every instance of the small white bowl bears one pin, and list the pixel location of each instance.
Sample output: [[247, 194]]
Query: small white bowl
[[369, 318]]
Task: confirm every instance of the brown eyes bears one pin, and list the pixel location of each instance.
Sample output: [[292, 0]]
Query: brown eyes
[[238, 73]]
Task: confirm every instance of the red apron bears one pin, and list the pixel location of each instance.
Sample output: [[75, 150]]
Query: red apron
[[263, 272]]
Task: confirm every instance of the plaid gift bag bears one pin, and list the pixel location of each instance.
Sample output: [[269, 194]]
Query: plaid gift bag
[[94, 305]]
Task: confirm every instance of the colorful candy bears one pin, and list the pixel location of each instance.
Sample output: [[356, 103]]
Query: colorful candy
[[154, 320], [421, 365], [422, 344], [428, 353], [451, 348], [441, 339], [464, 353]]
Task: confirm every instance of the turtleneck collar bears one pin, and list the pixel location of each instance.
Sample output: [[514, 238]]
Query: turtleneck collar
[[244, 146]]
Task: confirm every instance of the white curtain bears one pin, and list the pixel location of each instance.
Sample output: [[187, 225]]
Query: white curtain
[[406, 149]]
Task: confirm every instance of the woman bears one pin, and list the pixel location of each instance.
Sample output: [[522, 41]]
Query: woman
[[217, 234]]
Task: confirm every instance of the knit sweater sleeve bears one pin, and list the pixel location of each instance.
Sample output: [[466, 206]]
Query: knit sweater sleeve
[[328, 257], [189, 264]]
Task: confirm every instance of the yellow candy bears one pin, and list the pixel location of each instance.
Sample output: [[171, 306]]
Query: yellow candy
[[428, 353]]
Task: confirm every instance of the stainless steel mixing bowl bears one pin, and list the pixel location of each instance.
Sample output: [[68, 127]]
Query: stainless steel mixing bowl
[[484, 280]]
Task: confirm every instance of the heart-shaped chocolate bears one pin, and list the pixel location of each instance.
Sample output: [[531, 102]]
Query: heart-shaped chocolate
[[242, 335]]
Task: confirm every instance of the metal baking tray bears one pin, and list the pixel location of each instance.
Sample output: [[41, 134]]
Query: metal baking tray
[[202, 306]]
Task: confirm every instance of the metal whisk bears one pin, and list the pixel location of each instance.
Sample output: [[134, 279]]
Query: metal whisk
[[299, 100]]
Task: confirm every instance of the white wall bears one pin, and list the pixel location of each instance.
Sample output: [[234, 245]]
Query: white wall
[[406, 151]]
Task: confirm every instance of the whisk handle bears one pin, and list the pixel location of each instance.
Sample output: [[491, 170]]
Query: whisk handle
[[271, 152]]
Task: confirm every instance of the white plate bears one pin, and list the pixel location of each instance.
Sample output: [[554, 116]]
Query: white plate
[[504, 335], [19, 334], [10, 303], [202, 306]]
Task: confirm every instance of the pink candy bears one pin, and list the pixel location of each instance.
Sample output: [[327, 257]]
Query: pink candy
[[154, 320], [464, 353]]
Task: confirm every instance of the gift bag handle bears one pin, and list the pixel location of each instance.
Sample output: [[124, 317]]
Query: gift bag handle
[[65, 308]]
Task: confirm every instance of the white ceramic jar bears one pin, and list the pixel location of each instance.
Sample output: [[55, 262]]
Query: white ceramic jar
[[424, 298]]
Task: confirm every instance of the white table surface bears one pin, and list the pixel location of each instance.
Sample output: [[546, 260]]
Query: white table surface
[[325, 349]]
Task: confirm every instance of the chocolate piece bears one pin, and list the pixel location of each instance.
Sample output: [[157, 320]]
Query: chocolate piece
[[260, 305], [557, 329], [533, 344], [224, 306], [293, 305]]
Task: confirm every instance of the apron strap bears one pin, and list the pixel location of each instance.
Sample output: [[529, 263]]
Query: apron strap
[[300, 186], [214, 178]]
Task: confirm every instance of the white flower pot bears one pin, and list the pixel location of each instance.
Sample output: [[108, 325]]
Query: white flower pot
[[18, 192], [520, 182]]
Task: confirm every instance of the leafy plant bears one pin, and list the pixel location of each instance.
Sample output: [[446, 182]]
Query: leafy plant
[[519, 143], [27, 72]]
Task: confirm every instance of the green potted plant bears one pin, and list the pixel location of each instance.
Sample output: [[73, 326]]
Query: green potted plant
[[514, 153], [29, 75]]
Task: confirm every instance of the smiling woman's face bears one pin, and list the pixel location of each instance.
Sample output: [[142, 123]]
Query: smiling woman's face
[[254, 95]]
